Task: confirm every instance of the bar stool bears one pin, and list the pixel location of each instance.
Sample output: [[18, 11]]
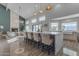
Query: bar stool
[[30, 37], [36, 40], [48, 43], [23, 36], [26, 39]]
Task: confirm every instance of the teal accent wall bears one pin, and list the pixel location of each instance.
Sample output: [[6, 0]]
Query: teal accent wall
[[4, 18]]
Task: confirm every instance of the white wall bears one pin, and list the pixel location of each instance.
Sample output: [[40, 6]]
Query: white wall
[[14, 20]]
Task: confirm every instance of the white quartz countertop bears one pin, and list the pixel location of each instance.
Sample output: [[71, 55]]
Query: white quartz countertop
[[53, 33]]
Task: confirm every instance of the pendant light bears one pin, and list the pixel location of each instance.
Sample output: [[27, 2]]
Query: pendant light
[[49, 8]]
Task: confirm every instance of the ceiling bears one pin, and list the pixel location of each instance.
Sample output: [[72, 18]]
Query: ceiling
[[59, 10]]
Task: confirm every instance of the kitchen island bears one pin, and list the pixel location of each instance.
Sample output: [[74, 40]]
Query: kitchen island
[[51, 40]]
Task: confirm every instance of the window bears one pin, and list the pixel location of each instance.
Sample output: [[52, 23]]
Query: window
[[35, 28], [54, 27], [34, 20], [40, 27], [42, 18], [71, 26], [27, 22], [27, 28]]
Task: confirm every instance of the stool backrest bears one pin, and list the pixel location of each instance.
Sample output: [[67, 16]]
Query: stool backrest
[[29, 35], [26, 35], [46, 39], [36, 37]]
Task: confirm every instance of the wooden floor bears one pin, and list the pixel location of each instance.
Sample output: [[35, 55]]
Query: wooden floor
[[4, 48], [10, 49], [71, 45], [78, 48], [29, 50]]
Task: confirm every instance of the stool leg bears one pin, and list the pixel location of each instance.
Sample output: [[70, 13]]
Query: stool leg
[[38, 44], [43, 47], [49, 51]]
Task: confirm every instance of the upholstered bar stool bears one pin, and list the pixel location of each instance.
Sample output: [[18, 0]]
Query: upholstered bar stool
[[47, 43], [36, 39], [26, 39], [40, 42], [30, 37], [32, 40], [22, 36]]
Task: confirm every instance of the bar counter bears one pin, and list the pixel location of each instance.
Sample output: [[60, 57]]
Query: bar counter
[[52, 39]]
